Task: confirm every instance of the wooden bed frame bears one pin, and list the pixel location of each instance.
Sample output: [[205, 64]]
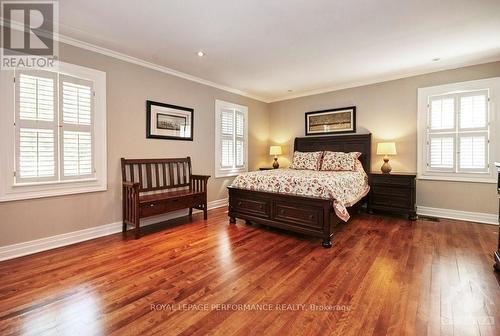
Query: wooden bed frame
[[308, 215]]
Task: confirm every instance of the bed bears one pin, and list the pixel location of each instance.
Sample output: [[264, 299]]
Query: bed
[[306, 213]]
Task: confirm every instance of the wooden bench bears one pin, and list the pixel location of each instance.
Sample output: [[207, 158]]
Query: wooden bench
[[156, 186]]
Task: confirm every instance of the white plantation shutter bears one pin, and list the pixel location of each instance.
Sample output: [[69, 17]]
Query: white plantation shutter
[[227, 153], [473, 154], [239, 153], [226, 136], [442, 114], [36, 126], [77, 153], [474, 111], [231, 137], [36, 97], [54, 127], [442, 152], [441, 145], [36, 153], [239, 139], [77, 99], [458, 132], [227, 122], [474, 135], [76, 127], [240, 123]]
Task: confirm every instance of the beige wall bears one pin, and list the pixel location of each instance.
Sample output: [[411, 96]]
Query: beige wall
[[128, 88], [389, 111]]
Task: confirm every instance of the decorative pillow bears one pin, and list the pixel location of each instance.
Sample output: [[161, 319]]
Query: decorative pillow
[[306, 160], [339, 161]]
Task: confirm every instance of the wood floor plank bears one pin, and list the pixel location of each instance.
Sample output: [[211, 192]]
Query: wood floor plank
[[383, 276]]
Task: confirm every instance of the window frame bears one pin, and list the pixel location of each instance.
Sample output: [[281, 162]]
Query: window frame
[[10, 189], [425, 96], [233, 171]]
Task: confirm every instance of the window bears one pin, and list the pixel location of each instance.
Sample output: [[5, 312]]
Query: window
[[54, 140], [456, 131], [231, 139]]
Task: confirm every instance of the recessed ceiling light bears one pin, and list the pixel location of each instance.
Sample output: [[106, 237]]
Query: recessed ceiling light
[[436, 59], [201, 53]]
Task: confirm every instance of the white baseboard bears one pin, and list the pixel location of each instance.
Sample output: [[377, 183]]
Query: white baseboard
[[43, 244], [477, 217]]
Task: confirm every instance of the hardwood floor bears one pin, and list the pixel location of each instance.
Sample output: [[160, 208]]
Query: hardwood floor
[[383, 276]]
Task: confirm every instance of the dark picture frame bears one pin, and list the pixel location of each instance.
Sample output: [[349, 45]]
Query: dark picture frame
[[331, 121], [170, 122]]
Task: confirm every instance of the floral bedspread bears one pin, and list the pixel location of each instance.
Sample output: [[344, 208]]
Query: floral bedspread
[[344, 188]]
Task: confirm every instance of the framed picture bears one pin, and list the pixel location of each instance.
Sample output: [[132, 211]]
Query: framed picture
[[340, 120], [165, 121]]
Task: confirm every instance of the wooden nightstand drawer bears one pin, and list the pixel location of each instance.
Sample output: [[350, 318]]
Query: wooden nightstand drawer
[[392, 201], [393, 193], [389, 180], [390, 191]]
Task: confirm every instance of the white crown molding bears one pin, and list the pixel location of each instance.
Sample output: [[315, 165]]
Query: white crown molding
[[477, 217], [115, 54], [349, 85], [48, 243], [378, 79], [134, 60]]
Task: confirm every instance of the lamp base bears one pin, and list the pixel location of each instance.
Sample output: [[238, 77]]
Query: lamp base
[[386, 167], [276, 165]]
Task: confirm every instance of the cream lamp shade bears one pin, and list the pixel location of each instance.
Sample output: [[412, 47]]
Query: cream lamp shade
[[386, 148], [275, 150]]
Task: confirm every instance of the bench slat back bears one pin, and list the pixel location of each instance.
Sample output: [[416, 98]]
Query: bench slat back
[[157, 174]]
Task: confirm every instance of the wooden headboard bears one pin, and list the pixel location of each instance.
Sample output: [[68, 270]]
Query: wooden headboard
[[339, 143]]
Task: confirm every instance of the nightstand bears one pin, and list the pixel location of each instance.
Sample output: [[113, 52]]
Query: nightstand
[[266, 168], [394, 193]]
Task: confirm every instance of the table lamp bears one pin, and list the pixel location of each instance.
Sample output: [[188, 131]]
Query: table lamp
[[386, 149], [275, 150]]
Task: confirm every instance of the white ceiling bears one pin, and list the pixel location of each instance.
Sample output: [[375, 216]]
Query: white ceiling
[[267, 47]]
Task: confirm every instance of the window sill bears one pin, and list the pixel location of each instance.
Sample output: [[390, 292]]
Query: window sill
[[33, 191], [229, 173], [53, 183], [485, 179]]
